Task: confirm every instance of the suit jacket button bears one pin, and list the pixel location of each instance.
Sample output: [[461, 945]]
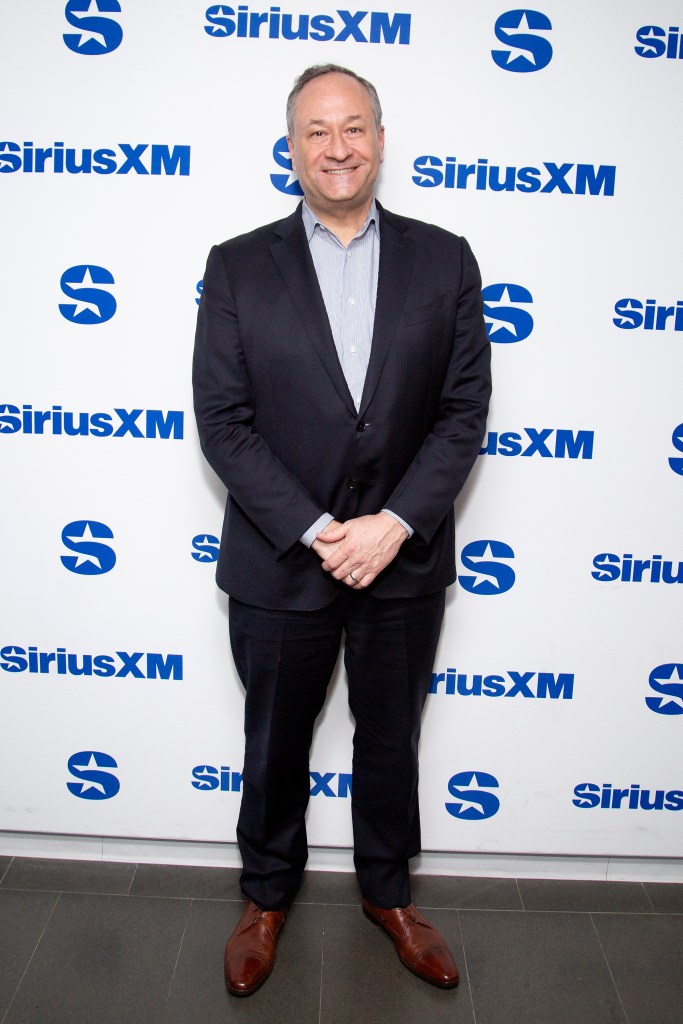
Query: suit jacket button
[[361, 427], [352, 484]]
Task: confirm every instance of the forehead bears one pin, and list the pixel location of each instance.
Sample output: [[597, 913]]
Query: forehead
[[332, 97]]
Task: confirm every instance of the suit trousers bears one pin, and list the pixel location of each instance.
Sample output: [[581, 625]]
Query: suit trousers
[[285, 660]]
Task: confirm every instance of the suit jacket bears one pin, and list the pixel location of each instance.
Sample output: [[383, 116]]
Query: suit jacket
[[278, 425]]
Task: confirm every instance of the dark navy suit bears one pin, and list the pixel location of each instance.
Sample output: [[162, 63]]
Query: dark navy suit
[[278, 425]]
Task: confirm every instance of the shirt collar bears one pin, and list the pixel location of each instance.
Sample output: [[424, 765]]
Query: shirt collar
[[311, 222]]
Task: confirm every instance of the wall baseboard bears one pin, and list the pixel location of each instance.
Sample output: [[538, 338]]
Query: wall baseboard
[[494, 865]]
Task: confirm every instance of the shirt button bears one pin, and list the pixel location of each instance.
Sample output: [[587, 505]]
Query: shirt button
[[354, 348], [352, 302]]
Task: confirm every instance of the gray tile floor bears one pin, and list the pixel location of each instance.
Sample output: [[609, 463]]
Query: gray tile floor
[[94, 943]]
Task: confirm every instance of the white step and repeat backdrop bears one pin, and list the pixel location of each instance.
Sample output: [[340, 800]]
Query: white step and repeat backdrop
[[135, 135]]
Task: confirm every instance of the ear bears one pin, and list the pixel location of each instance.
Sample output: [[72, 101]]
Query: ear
[[381, 144], [290, 147]]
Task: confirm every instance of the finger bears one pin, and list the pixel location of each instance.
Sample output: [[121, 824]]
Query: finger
[[365, 581], [332, 534]]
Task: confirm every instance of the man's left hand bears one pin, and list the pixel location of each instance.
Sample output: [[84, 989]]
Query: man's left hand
[[366, 546]]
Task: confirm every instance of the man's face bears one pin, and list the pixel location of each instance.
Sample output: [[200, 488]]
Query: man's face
[[336, 149]]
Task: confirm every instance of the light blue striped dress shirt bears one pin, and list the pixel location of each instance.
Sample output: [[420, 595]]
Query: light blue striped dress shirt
[[347, 276]]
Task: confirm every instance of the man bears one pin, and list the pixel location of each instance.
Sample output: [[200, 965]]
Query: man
[[341, 387]]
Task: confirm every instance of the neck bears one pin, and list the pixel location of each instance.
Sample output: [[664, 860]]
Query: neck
[[344, 223]]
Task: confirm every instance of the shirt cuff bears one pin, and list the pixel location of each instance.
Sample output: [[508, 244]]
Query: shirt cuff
[[320, 524], [399, 520]]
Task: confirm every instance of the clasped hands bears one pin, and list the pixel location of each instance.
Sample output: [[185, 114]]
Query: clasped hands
[[358, 550]]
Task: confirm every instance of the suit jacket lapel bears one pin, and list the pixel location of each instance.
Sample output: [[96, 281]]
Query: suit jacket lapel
[[395, 264], [293, 257]]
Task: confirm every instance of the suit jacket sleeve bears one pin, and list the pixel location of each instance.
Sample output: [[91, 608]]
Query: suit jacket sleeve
[[441, 466], [266, 491]]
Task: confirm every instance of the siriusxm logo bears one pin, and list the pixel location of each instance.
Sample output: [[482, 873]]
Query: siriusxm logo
[[206, 547], [490, 575], [627, 569], [524, 51], [658, 42], [632, 313], [677, 441], [95, 35], [120, 159], [567, 444], [93, 784], [667, 681], [535, 685], [92, 305], [339, 26], [473, 799], [120, 664], [433, 171], [119, 423], [507, 321], [287, 183], [199, 289], [609, 797], [92, 558], [208, 778]]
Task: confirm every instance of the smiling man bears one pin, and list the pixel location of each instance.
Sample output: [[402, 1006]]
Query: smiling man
[[341, 387]]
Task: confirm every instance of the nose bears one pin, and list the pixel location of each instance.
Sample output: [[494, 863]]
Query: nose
[[337, 146]]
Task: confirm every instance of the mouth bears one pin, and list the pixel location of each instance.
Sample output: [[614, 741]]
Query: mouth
[[339, 170]]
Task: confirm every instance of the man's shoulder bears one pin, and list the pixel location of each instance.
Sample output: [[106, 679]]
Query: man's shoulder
[[420, 230], [262, 236]]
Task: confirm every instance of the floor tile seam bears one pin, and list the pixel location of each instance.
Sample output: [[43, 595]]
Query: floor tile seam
[[9, 865], [30, 959], [99, 892], [519, 893], [609, 968], [132, 879], [160, 896], [14, 888], [559, 910], [467, 972], [177, 959], [647, 897]]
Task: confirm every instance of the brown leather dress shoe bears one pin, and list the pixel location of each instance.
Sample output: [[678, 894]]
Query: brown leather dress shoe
[[420, 947], [250, 952]]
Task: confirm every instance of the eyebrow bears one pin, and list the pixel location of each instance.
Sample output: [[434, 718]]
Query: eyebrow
[[322, 121]]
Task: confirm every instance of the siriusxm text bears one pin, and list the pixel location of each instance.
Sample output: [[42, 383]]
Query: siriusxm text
[[124, 158], [570, 179], [659, 42], [337, 26], [120, 664], [566, 444], [676, 464], [208, 777], [539, 685], [650, 315], [632, 798], [610, 567], [139, 423]]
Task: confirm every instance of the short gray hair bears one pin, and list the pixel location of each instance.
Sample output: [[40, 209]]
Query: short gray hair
[[327, 69]]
